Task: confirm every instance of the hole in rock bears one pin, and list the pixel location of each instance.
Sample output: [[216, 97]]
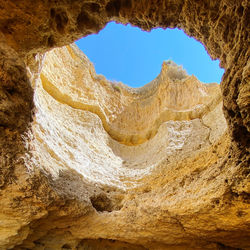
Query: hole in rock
[[134, 57], [102, 203], [66, 246], [99, 133]]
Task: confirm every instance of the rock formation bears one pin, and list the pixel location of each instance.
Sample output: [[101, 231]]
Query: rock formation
[[86, 163]]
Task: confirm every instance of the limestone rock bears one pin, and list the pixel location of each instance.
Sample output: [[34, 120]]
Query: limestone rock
[[138, 162], [86, 163]]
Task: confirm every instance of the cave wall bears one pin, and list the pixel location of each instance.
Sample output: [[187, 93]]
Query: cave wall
[[30, 28]]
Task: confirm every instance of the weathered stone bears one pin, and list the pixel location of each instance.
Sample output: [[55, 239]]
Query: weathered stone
[[87, 159]]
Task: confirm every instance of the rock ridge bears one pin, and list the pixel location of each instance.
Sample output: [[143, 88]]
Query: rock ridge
[[180, 109]]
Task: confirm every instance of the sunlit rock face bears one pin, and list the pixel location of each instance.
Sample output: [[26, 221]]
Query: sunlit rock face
[[89, 164], [138, 166], [139, 160], [113, 135]]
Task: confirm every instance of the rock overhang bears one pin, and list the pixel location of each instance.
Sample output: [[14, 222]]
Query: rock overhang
[[218, 188]]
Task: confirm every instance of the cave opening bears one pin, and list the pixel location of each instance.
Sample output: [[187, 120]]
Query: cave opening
[[127, 54], [137, 127], [130, 129], [178, 201]]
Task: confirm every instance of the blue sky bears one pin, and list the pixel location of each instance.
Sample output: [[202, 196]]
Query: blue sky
[[134, 57]]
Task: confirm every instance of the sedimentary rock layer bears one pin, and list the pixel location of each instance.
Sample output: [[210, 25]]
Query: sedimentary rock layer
[[109, 132], [86, 163]]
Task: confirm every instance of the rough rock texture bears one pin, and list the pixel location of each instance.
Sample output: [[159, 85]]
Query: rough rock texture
[[89, 164]]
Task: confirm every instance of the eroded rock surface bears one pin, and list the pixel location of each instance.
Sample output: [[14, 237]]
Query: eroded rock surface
[[116, 132], [91, 164], [141, 166]]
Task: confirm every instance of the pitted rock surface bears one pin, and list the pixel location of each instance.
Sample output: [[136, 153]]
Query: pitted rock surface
[[90, 164]]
